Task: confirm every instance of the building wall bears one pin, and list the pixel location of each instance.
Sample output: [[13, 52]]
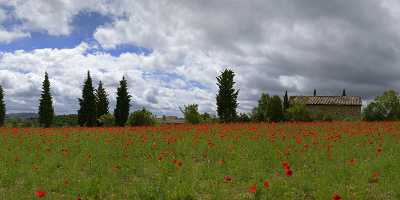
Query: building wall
[[336, 110]]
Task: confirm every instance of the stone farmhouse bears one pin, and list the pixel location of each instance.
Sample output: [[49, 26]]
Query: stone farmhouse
[[341, 106]]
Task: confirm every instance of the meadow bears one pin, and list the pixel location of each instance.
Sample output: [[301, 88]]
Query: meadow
[[304, 161]]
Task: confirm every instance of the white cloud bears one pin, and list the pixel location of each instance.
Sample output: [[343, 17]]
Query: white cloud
[[9, 36], [271, 45], [22, 75]]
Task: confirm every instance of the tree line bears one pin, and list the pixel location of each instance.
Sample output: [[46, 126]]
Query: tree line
[[94, 106]]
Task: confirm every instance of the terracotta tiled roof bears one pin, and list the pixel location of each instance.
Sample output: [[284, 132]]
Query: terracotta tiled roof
[[327, 100]]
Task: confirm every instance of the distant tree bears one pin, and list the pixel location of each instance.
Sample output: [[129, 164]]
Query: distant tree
[[285, 102], [2, 107], [106, 120], [243, 117], [142, 118], [121, 112], [315, 92], [227, 96], [385, 107], [374, 112], [205, 117], [275, 111], [344, 93], [191, 113], [87, 113], [298, 112], [46, 110], [260, 113], [101, 101]]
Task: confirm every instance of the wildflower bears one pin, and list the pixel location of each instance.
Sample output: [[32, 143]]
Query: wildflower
[[40, 193], [253, 189], [227, 178], [289, 172], [266, 184], [285, 165], [336, 197]]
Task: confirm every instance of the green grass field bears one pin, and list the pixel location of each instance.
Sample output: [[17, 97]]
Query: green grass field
[[353, 160]]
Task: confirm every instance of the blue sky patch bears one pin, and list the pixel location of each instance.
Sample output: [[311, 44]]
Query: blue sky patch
[[83, 26]]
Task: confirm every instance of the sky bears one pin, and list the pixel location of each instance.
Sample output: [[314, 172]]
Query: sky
[[171, 51]]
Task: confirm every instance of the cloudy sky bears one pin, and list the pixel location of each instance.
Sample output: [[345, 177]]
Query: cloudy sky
[[171, 50]]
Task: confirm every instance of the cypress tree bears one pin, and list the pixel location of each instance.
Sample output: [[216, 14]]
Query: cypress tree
[[2, 107], [315, 92], [275, 111], [121, 112], [46, 110], [344, 93], [285, 102], [101, 101], [87, 112], [227, 96]]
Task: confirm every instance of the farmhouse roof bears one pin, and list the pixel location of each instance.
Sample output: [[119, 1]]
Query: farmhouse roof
[[327, 100]]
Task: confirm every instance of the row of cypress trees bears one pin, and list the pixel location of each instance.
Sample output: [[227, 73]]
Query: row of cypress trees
[[93, 104]]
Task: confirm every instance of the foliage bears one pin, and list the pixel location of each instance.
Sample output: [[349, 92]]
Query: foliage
[[101, 100], [260, 113], [2, 107], [285, 102], [227, 96], [14, 122], [142, 118], [298, 112], [46, 110], [206, 118], [385, 107], [243, 117], [121, 112], [65, 120], [87, 113], [107, 120], [343, 93], [275, 112], [191, 114]]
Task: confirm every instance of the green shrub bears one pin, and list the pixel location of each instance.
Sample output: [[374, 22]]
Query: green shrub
[[385, 107], [191, 114], [298, 112], [106, 120], [142, 118], [243, 117]]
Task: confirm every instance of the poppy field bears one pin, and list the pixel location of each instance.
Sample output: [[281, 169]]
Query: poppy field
[[305, 161]]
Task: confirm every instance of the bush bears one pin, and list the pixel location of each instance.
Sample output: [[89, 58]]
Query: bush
[[275, 110], [142, 118], [206, 118], [260, 113], [385, 107], [192, 114], [107, 120], [243, 117], [298, 112]]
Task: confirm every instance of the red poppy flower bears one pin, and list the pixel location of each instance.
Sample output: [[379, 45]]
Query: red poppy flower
[[289, 172], [78, 198], [253, 189], [227, 178], [266, 184], [336, 197], [40, 194], [286, 165]]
